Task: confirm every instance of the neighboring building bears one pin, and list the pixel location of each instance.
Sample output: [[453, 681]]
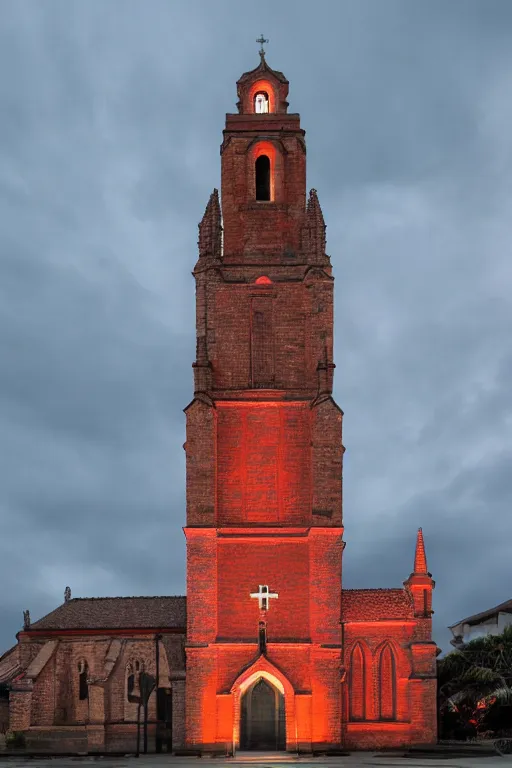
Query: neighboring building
[[71, 672], [277, 655], [490, 622]]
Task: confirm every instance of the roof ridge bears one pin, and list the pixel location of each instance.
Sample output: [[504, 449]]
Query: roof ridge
[[130, 597], [116, 613], [477, 616], [374, 589]]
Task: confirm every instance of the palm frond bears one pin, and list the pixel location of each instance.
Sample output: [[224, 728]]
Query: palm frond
[[479, 676], [501, 696], [467, 697]]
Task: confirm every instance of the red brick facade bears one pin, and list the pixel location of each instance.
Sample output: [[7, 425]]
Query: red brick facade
[[264, 475], [343, 668]]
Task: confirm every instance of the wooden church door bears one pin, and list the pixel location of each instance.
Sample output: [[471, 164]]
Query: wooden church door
[[263, 718]]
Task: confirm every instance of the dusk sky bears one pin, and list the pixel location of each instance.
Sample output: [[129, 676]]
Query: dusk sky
[[111, 118]]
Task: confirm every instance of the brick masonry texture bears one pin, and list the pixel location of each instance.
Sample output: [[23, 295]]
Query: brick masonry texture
[[264, 475], [264, 464]]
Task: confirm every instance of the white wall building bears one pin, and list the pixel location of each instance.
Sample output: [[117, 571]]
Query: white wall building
[[490, 622]]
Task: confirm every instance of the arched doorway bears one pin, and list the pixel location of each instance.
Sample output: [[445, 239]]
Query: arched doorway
[[262, 717]]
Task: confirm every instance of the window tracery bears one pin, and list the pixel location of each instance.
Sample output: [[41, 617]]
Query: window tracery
[[133, 672]]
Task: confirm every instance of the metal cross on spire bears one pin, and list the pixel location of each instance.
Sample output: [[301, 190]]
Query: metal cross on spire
[[261, 40]]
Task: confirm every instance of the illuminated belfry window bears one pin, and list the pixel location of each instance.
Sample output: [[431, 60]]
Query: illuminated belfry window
[[261, 103], [262, 178]]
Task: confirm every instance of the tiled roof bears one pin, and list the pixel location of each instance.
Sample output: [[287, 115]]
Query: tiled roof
[[263, 68], [374, 604], [117, 613], [9, 665]]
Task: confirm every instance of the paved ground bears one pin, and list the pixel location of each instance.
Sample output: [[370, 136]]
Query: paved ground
[[266, 760]]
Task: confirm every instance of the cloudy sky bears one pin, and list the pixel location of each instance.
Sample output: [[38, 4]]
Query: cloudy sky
[[111, 119]]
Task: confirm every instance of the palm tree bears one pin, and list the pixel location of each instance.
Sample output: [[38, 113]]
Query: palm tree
[[475, 688]]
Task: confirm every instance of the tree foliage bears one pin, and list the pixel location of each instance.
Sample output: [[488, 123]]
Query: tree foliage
[[475, 688]]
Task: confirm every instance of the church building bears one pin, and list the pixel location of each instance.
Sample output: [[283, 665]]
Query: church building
[[267, 651]]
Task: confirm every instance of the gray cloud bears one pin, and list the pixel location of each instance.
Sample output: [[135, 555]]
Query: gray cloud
[[112, 116]]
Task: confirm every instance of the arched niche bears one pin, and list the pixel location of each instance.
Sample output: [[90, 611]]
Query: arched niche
[[261, 87]]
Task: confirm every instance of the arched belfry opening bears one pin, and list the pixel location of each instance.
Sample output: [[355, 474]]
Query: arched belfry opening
[[261, 103], [262, 717], [262, 167]]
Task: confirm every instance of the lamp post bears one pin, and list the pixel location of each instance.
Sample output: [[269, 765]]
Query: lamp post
[[147, 685]]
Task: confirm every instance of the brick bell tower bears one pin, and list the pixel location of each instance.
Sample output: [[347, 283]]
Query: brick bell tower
[[263, 448]]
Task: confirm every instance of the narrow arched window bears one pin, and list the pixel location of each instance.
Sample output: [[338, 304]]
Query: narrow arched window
[[387, 684], [262, 178], [261, 102], [130, 681], [83, 686], [357, 684], [133, 672]]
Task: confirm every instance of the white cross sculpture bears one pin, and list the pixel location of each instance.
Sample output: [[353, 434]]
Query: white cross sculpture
[[263, 596]]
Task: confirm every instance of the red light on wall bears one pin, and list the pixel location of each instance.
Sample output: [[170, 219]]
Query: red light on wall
[[265, 87], [267, 148]]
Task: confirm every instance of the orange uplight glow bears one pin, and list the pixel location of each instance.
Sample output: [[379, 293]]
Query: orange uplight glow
[[262, 86], [267, 148], [264, 669], [263, 468], [350, 669]]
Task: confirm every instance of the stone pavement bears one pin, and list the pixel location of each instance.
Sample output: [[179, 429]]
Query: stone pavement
[[261, 760]]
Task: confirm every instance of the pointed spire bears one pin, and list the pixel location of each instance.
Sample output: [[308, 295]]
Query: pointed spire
[[313, 233], [210, 229], [420, 583], [420, 558], [314, 210]]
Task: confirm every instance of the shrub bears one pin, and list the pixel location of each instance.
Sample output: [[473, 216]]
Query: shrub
[[15, 739]]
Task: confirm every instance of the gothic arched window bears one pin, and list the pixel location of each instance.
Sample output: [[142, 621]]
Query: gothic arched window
[[133, 671], [387, 684], [357, 684], [261, 102], [262, 168], [83, 687]]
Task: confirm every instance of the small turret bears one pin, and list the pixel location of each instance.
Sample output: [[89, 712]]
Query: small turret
[[420, 583], [210, 229], [420, 558], [313, 231], [263, 90]]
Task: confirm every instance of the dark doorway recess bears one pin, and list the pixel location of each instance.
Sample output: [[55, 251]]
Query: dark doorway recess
[[262, 718], [164, 720]]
